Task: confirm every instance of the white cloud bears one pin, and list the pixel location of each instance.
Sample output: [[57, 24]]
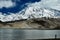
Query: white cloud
[[54, 4], [5, 3]]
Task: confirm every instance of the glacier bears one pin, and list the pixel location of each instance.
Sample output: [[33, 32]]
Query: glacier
[[34, 10]]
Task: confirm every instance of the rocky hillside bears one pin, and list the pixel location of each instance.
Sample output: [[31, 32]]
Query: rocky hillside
[[39, 23]]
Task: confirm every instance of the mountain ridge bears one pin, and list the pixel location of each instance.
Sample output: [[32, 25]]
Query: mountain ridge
[[30, 13]]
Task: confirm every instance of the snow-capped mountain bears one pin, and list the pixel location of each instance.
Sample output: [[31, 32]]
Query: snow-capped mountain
[[29, 12], [33, 10]]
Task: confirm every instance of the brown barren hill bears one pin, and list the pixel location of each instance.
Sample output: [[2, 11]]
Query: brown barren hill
[[37, 23]]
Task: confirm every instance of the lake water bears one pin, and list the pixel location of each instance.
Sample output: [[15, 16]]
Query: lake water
[[17, 34]]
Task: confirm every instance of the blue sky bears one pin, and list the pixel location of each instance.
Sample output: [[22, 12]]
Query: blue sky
[[19, 5]]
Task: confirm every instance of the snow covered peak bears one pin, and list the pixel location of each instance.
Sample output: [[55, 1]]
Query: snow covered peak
[[38, 12], [29, 12]]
